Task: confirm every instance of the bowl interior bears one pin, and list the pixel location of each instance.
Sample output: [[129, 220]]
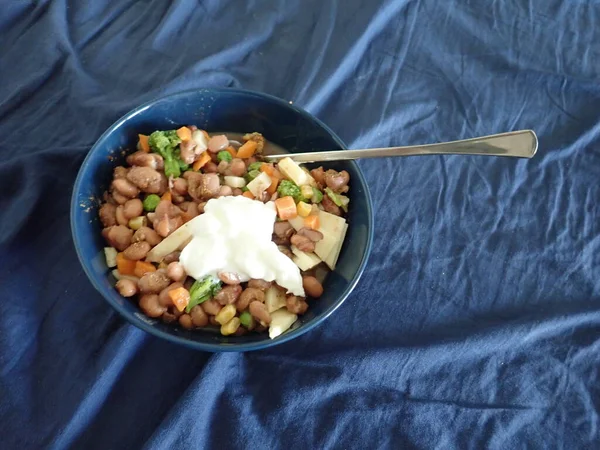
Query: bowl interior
[[223, 110]]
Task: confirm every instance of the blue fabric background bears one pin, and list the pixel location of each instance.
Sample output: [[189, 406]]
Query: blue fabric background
[[477, 323]]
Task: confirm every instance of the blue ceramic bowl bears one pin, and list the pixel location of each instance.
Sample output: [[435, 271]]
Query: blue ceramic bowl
[[224, 110]]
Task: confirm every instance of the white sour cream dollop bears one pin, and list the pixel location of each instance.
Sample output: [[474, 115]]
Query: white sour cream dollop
[[234, 235]]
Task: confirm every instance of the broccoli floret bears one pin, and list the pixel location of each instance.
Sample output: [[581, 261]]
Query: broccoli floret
[[317, 196], [289, 188], [340, 200], [255, 166], [165, 144], [251, 175], [203, 290], [224, 156]]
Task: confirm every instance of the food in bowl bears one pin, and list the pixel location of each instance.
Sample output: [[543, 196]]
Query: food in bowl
[[204, 234]]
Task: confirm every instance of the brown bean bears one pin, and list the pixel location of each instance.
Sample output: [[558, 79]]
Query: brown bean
[[260, 328], [228, 295], [188, 283], [312, 286], [286, 251], [313, 235], [137, 251], [203, 186], [133, 208], [153, 282], [240, 331], [319, 175], [118, 198], [180, 185], [171, 314], [249, 295], [337, 181], [125, 187], [185, 320], [296, 305], [150, 306], [186, 149], [127, 288], [120, 215], [237, 167], [107, 214], [229, 278], [152, 160], [218, 143], [147, 179], [166, 226], [237, 192], [303, 243], [211, 307], [223, 168], [249, 161], [260, 284], [210, 167], [282, 232], [163, 296], [213, 321], [118, 236], [119, 172], [192, 210], [173, 256], [259, 312], [166, 208], [147, 234], [176, 272], [225, 191], [330, 207], [199, 317]]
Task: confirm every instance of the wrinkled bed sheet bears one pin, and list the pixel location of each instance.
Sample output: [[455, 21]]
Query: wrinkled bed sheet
[[477, 322]]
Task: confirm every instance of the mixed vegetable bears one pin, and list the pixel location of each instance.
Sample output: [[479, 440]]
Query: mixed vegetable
[[167, 183]]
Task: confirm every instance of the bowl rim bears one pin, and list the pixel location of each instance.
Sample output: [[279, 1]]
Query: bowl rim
[[203, 346]]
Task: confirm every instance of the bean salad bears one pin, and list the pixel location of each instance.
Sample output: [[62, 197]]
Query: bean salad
[[167, 182]]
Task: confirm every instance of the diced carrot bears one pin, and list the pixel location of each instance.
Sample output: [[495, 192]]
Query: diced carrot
[[180, 297], [184, 133], [186, 217], [202, 161], [125, 266], [144, 145], [286, 208], [142, 267], [167, 196], [231, 151], [247, 150], [267, 168], [248, 194], [273, 186], [312, 222]]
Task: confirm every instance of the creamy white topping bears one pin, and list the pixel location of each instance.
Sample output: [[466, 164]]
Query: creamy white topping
[[234, 235]]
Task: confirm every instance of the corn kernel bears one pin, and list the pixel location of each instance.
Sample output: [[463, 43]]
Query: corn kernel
[[304, 209], [226, 314], [306, 191], [137, 222], [231, 326]]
